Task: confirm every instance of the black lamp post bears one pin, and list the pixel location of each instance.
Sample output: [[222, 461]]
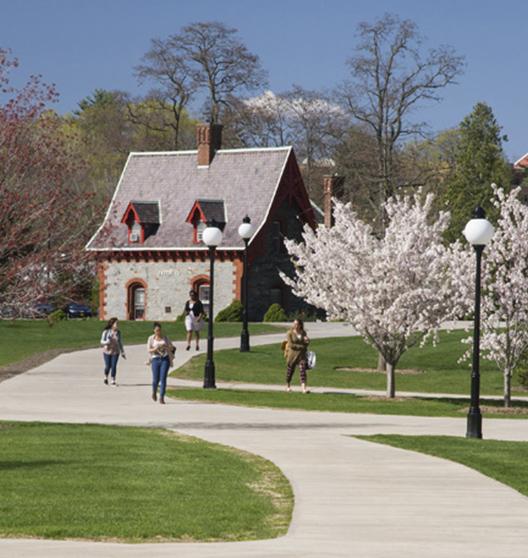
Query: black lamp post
[[212, 237], [246, 232], [478, 232]]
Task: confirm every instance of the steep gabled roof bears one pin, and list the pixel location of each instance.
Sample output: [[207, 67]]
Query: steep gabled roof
[[246, 180], [146, 213], [522, 162]]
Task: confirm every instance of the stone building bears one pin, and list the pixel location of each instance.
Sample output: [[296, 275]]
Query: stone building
[[149, 250]]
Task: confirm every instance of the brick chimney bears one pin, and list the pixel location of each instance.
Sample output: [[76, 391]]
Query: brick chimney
[[331, 188], [208, 142]]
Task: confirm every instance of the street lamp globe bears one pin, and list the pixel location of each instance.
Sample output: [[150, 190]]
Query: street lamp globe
[[246, 229], [212, 235], [478, 231]]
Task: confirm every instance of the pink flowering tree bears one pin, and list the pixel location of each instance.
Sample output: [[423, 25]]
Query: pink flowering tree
[[395, 290], [504, 306]]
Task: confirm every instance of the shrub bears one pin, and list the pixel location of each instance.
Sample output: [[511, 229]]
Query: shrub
[[55, 317], [275, 313], [232, 313]]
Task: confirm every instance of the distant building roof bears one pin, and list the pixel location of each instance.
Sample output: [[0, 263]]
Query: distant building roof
[[246, 180], [521, 163]]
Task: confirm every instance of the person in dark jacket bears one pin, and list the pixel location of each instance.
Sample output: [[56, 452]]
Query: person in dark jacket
[[194, 319], [296, 354]]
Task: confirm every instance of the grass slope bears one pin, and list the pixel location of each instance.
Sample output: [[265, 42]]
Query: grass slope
[[343, 403], [120, 483], [506, 462], [441, 372], [21, 338]]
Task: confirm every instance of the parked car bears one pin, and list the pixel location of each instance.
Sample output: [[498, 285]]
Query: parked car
[[75, 310], [43, 309]]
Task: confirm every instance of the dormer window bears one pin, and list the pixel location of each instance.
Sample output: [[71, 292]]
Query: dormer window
[[142, 220], [202, 212], [136, 232]]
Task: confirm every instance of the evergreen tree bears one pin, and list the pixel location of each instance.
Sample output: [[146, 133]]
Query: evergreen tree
[[479, 162]]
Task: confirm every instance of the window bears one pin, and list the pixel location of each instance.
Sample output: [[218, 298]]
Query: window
[[135, 232], [203, 294], [200, 228], [136, 296]]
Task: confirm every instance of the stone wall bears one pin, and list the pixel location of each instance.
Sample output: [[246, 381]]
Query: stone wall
[[168, 285]]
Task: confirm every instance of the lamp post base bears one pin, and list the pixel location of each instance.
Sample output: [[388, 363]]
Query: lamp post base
[[474, 424], [244, 341], [209, 375]]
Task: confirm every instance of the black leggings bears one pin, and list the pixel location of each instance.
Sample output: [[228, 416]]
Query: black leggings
[[302, 372]]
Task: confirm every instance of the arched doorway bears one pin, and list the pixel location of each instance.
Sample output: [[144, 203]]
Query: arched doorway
[[136, 300], [200, 284]]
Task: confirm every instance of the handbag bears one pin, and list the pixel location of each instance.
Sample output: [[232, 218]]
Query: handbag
[[311, 360]]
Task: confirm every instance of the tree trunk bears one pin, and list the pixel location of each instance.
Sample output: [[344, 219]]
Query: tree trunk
[[507, 388], [391, 380], [382, 364]]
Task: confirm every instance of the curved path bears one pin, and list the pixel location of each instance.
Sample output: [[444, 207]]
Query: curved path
[[352, 498]]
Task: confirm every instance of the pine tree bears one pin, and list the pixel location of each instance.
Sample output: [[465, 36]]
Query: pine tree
[[479, 162]]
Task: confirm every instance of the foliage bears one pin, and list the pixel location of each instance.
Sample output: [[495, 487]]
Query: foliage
[[56, 316], [275, 313], [479, 162], [231, 313], [395, 290], [215, 492], [45, 219], [504, 307]]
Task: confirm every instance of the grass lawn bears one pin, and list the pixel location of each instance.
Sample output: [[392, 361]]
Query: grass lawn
[[72, 334], [438, 369], [506, 462], [346, 403], [134, 484]]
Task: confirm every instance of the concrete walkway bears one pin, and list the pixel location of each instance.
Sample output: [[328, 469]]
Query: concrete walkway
[[352, 498]]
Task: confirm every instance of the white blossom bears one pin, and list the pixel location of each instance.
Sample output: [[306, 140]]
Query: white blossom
[[395, 290], [504, 305]]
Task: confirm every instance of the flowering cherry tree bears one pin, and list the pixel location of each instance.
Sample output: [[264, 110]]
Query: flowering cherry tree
[[395, 290], [504, 305], [44, 216]]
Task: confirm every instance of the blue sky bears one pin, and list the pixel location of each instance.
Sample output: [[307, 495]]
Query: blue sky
[[89, 44]]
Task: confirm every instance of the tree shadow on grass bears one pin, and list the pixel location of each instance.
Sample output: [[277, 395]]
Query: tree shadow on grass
[[13, 465]]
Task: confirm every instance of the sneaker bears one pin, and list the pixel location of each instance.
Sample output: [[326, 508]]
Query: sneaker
[[162, 400], [188, 347], [154, 396], [106, 380], [197, 348], [114, 383]]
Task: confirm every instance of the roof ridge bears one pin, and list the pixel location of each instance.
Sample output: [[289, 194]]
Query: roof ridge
[[195, 151]]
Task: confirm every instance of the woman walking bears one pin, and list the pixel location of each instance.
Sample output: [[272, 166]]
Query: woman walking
[[161, 354], [296, 354], [194, 314], [112, 347]]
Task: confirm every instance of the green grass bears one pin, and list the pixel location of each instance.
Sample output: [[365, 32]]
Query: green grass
[[134, 484], [22, 338], [440, 371], [346, 403], [506, 462]]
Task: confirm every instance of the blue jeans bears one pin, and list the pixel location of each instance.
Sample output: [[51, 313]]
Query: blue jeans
[[160, 368], [110, 362]]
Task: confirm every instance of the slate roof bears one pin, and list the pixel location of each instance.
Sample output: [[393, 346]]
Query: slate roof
[[245, 179], [214, 210], [148, 212]]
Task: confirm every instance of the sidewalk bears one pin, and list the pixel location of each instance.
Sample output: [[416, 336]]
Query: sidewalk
[[352, 498]]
